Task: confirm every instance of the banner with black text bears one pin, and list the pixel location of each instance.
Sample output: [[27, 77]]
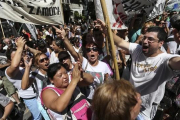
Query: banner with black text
[[32, 11], [121, 11]]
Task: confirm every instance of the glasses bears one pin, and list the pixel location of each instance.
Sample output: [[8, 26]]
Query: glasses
[[95, 49], [42, 60], [150, 39], [61, 60]]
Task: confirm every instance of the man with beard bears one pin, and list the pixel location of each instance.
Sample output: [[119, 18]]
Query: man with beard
[[150, 68]]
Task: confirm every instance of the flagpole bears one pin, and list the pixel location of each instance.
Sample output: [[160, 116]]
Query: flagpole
[[2, 29], [106, 18]]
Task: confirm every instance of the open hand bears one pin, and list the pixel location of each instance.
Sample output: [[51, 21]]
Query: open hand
[[76, 73], [20, 42], [60, 32], [27, 61]]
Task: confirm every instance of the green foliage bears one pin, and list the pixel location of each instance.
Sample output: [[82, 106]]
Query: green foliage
[[76, 15]]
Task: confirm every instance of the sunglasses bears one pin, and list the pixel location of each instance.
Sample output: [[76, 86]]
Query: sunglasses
[[61, 60], [42, 60], [95, 49]]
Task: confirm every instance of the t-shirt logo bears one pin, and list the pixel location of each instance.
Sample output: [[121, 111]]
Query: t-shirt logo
[[98, 76]]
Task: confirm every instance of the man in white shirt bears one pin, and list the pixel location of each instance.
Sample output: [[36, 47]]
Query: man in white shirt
[[150, 68]]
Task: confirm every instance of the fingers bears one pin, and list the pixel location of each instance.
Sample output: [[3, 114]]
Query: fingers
[[101, 22], [55, 27]]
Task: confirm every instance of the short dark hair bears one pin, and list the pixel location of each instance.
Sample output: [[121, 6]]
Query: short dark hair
[[59, 42], [53, 68], [175, 21], [63, 54], [161, 34], [9, 51]]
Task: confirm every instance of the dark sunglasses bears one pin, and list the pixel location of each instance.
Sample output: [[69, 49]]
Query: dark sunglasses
[[42, 60], [64, 58], [95, 49]]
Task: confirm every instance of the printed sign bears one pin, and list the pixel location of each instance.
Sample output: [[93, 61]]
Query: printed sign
[[32, 11]]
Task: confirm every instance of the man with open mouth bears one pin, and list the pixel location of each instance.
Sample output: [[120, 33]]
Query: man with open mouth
[[150, 68]]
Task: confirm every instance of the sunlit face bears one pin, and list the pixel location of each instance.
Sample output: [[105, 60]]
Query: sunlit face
[[136, 109], [43, 62], [92, 53], [7, 41], [151, 44], [54, 46], [61, 79]]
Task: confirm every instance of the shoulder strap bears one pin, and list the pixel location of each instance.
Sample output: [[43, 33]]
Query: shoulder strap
[[58, 91], [40, 77]]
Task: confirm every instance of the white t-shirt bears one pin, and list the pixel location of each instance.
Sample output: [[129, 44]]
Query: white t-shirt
[[149, 75], [97, 72], [53, 58], [16, 81], [39, 82]]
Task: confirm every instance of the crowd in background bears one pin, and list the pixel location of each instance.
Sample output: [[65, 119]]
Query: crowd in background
[[71, 64]]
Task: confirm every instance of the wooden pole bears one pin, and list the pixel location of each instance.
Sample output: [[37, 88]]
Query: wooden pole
[[2, 29], [106, 18]]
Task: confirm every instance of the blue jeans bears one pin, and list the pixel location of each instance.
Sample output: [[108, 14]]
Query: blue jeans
[[43, 111], [33, 107]]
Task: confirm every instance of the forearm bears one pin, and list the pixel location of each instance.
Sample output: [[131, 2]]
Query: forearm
[[17, 58], [174, 63], [5, 65], [63, 101], [25, 80], [34, 51], [70, 48], [8, 110], [87, 80], [119, 42]]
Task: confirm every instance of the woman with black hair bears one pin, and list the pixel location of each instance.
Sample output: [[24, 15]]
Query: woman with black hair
[[57, 46]]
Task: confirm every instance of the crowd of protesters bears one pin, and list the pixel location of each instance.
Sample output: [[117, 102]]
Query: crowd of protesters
[[68, 73]]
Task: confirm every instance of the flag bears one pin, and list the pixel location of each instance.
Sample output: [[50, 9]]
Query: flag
[[32, 11], [121, 11]]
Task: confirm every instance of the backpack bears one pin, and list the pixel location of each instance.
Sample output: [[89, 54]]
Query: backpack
[[78, 108]]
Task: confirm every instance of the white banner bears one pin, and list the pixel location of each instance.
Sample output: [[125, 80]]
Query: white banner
[[121, 11], [32, 11]]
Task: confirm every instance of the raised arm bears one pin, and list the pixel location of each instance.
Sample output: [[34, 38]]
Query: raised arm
[[34, 51], [61, 33], [59, 103], [174, 63], [14, 67], [119, 42], [26, 81]]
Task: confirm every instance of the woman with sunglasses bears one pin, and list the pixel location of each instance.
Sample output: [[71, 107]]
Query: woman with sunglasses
[[99, 70], [41, 61]]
